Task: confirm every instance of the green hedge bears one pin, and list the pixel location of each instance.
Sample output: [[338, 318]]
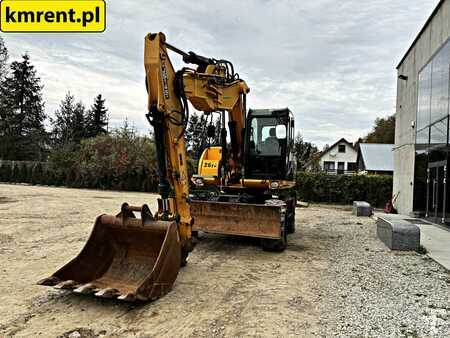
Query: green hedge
[[311, 187], [344, 189], [132, 180]]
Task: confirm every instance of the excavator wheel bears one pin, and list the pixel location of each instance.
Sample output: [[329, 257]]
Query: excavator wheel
[[277, 245], [184, 256], [290, 219], [290, 226]]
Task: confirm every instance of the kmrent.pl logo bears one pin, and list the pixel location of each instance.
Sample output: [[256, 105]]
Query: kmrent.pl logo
[[52, 16]]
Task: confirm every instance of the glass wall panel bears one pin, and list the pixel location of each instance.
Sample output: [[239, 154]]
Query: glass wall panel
[[424, 101], [420, 182], [438, 133], [432, 137], [439, 84], [423, 137]]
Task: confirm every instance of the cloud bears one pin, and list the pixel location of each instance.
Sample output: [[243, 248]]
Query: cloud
[[333, 63]]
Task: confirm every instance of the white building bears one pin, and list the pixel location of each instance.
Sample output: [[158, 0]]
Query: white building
[[340, 158]]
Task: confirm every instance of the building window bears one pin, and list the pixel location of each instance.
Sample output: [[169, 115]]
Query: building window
[[351, 166], [439, 84], [341, 167], [433, 100], [424, 101], [438, 133], [328, 166], [341, 148]]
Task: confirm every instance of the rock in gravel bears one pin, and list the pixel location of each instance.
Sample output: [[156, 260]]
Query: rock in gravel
[[74, 334], [79, 333]]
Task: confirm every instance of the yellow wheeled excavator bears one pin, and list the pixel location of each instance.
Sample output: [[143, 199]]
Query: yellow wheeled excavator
[[243, 189]]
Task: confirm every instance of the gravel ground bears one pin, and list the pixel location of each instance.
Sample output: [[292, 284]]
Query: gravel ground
[[374, 292], [335, 278]]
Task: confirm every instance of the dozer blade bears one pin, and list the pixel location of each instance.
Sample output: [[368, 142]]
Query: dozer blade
[[125, 257], [252, 220]]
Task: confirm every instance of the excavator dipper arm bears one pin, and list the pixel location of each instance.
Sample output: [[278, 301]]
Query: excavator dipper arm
[[212, 86], [168, 115]]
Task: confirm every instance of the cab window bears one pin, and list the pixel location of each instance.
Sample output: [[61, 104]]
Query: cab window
[[263, 140]]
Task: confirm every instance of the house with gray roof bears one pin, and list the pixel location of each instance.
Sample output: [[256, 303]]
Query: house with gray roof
[[338, 159], [375, 158]]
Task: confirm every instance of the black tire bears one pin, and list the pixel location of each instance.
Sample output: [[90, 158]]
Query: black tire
[[184, 256], [290, 224], [290, 215], [275, 245]]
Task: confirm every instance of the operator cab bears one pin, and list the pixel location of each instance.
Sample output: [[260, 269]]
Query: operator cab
[[270, 139]]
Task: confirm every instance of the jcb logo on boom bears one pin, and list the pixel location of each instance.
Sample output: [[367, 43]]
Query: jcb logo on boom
[[52, 16]]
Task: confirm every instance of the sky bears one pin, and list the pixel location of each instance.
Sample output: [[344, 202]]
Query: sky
[[331, 62]]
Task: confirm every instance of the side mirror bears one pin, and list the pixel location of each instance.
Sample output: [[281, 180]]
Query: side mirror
[[281, 132]]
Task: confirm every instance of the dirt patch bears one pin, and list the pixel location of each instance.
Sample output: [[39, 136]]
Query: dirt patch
[[334, 278], [5, 200], [4, 238]]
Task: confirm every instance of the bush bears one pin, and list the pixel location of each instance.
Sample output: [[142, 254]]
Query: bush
[[24, 176], [122, 160], [343, 189], [37, 174], [15, 174], [5, 173]]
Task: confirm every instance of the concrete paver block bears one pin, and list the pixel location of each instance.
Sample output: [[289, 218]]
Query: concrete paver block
[[398, 234], [361, 208]]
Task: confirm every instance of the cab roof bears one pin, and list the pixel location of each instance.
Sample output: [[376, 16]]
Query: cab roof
[[269, 112]]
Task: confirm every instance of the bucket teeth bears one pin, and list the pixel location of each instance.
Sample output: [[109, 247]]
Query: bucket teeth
[[129, 297], [49, 281], [86, 289], [67, 284], [107, 293]]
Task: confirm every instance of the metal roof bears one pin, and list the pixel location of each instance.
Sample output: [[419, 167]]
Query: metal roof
[[377, 157]]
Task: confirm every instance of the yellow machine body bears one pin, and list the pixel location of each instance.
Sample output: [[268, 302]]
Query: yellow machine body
[[209, 165], [139, 259]]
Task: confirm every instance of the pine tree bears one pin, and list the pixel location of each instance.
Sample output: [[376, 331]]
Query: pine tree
[[79, 123], [62, 122], [97, 121], [22, 115], [3, 59], [69, 124]]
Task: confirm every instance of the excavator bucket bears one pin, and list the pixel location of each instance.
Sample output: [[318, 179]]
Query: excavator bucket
[[240, 219], [125, 257]]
